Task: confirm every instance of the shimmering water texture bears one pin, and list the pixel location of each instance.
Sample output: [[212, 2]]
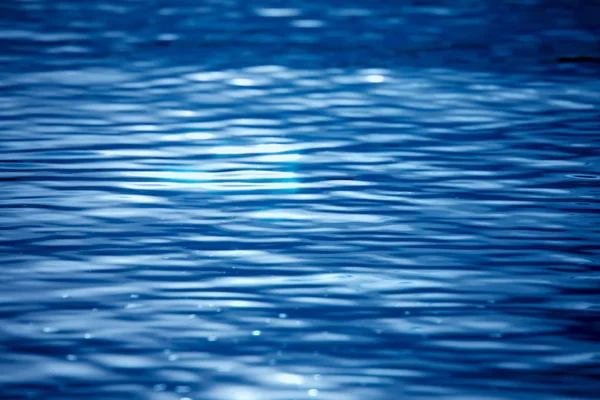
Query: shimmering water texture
[[237, 200]]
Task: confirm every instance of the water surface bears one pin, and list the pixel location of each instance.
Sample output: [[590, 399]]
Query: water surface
[[231, 200]]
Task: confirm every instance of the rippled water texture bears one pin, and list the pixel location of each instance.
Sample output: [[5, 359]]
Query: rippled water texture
[[281, 200]]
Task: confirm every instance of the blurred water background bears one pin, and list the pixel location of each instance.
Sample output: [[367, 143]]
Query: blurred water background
[[281, 200]]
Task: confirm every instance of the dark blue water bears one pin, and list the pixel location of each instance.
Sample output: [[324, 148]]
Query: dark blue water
[[281, 200]]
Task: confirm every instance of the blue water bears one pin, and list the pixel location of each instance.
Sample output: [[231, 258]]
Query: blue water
[[281, 200]]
